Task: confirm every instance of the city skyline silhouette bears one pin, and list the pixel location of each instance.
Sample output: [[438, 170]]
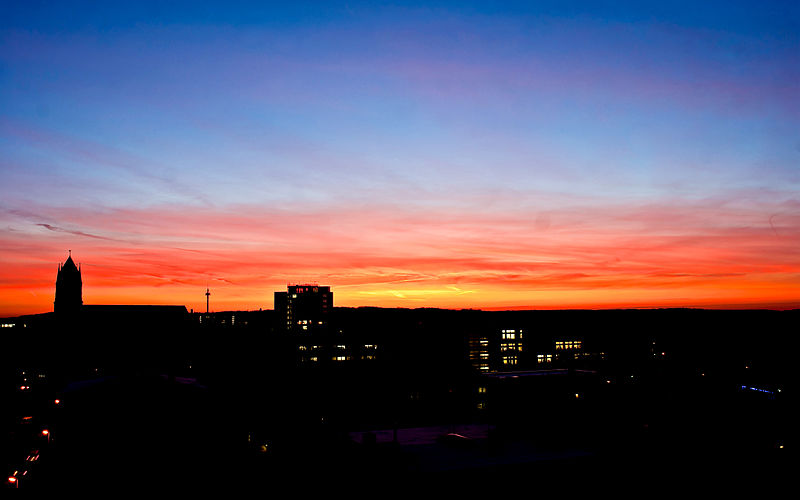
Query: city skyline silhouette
[[429, 394], [71, 268], [355, 245]]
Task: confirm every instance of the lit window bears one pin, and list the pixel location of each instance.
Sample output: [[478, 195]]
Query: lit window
[[509, 360], [482, 390], [568, 344]]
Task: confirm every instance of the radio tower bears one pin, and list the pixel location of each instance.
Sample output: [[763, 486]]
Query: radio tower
[[207, 294]]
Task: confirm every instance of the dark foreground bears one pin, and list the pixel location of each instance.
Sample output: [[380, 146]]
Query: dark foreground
[[148, 433], [665, 399]]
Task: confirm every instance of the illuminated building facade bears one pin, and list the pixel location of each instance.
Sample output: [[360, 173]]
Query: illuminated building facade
[[498, 351], [514, 349]]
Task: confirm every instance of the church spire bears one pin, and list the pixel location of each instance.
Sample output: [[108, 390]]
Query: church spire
[[69, 287]]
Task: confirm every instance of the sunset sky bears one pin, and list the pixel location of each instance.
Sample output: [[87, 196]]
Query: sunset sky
[[438, 154]]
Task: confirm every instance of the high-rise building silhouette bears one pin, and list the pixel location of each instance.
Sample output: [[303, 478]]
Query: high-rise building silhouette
[[69, 288], [304, 308]]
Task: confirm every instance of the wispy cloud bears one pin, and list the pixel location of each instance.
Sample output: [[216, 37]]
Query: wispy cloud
[[98, 157], [76, 233]]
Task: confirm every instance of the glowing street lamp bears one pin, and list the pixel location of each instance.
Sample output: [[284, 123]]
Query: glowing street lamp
[[46, 432], [13, 480]]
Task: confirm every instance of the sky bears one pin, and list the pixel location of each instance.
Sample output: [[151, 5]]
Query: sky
[[494, 155]]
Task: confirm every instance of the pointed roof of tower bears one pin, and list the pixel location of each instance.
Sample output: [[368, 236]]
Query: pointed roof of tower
[[69, 265]]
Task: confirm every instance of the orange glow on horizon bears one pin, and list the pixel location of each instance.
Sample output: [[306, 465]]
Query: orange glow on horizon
[[665, 257]]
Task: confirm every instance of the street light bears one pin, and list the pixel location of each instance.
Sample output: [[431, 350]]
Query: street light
[[46, 432]]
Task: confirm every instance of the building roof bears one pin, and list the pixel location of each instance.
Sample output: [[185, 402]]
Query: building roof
[[132, 309]]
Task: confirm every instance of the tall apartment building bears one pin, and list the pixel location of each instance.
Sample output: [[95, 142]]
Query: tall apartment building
[[304, 309]]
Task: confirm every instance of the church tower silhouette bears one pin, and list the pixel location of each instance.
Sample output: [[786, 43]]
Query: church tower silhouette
[[69, 288]]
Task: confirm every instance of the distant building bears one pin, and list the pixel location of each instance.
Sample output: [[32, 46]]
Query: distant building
[[69, 288], [498, 350], [100, 338], [507, 349], [303, 316], [304, 309]]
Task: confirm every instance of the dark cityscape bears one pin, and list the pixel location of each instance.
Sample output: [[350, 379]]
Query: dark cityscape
[[102, 395], [416, 247]]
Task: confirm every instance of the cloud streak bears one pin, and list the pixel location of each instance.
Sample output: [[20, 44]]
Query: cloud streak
[[76, 233]]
